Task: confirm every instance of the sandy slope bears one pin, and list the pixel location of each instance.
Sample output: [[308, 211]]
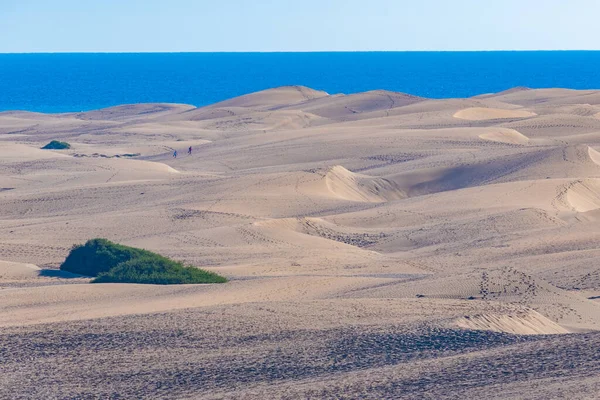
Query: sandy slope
[[485, 114], [379, 245]]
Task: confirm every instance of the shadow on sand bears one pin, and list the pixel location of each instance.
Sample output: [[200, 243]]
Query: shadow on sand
[[56, 273]]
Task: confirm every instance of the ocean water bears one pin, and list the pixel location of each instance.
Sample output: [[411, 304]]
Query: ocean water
[[78, 82]]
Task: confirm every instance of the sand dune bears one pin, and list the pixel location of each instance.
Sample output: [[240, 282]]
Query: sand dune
[[262, 121], [509, 137], [372, 240], [582, 110], [484, 114], [355, 106], [517, 89], [21, 152], [526, 323], [134, 111], [208, 113], [584, 195], [355, 187], [555, 126], [273, 98], [594, 155], [12, 270], [21, 275], [542, 96]]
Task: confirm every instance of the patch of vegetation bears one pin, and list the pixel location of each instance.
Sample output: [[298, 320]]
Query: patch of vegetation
[[56, 145], [158, 271], [112, 262], [127, 155]]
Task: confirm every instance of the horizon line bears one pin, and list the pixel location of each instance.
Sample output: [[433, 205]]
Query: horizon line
[[306, 51]]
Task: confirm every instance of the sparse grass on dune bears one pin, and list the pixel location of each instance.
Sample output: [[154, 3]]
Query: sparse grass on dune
[[112, 262]]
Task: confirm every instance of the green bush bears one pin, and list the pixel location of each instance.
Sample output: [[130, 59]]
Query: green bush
[[111, 262], [158, 271], [56, 145], [98, 256]]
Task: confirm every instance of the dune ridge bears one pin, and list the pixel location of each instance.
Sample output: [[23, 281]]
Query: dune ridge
[[355, 187], [584, 195], [510, 137]]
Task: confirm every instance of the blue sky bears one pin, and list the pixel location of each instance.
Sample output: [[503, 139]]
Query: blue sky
[[296, 25]]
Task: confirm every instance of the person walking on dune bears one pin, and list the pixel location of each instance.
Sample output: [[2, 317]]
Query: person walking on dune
[[190, 151], [175, 154]]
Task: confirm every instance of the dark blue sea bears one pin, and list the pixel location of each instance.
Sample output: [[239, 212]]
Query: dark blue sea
[[77, 82]]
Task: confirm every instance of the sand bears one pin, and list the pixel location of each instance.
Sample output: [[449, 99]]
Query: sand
[[378, 245], [485, 114]]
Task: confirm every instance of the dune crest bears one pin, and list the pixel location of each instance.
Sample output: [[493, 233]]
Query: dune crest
[[509, 136], [485, 114], [528, 322], [133, 111], [594, 155], [270, 98], [358, 105], [584, 195], [348, 185]]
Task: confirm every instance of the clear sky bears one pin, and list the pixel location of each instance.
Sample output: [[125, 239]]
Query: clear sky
[[296, 25]]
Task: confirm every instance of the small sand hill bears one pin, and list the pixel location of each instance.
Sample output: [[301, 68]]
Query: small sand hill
[[426, 181], [20, 152], [583, 97], [18, 114], [318, 227], [577, 161], [347, 185], [584, 195], [581, 110], [272, 98], [133, 111], [526, 322], [555, 126], [354, 106], [55, 126], [18, 123], [536, 97], [594, 155], [442, 111], [8, 118], [208, 113], [516, 89], [15, 274], [157, 134], [124, 170], [262, 121], [505, 285], [486, 114], [581, 154], [17, 271], [508, 136], [358, 187], [534, 164]]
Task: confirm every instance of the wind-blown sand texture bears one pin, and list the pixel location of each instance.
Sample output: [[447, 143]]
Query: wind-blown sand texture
[[379, 245]]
